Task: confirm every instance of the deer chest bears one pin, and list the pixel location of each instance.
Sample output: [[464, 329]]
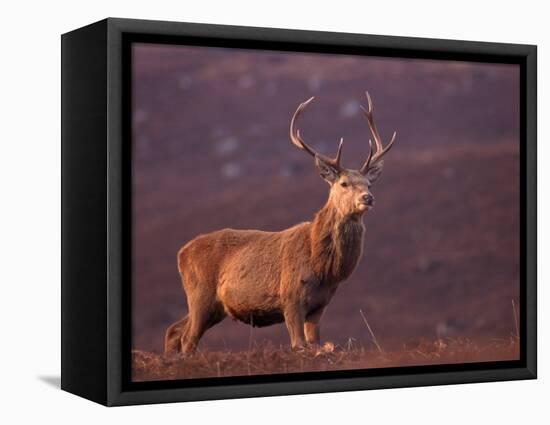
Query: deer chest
[[317, 294]]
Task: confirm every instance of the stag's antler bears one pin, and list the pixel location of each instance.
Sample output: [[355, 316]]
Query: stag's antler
[[373, 158], [299, 142]]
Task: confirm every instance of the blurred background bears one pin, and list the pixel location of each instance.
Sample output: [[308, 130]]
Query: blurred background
[[211, 150]]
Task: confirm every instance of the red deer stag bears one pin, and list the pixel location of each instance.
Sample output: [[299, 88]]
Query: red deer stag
[[263, 278]]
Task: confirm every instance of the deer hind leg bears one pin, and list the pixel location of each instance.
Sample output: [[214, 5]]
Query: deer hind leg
[[200, 320], [312, 326], [174, 335]]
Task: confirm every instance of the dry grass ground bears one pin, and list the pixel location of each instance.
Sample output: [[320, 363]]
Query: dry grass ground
[[268, 359]]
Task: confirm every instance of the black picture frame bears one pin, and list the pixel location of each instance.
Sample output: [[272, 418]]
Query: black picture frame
[[96, 216]]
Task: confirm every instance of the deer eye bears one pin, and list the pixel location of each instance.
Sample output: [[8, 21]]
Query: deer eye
[[344, 184]]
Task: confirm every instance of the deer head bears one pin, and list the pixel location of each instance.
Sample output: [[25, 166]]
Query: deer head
[[349, 189]]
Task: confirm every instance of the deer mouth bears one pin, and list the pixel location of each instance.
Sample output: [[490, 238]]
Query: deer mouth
[[364, 206]]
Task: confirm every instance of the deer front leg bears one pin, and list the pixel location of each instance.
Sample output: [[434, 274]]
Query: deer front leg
[[312, 326], [294, 320]]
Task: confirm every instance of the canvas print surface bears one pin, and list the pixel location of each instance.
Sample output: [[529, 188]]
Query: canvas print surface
[[258, 249]]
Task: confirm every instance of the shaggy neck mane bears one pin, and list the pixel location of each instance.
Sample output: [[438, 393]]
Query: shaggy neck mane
[[336, 244]]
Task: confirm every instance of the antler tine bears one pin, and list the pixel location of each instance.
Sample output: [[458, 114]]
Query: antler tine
[[389, 145], [301, 144], [338, 158], [370, 119], [380, 149], [295, 133], [365, 166]]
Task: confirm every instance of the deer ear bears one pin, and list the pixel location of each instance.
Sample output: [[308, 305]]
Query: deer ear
[[374, 171], [326, 170]]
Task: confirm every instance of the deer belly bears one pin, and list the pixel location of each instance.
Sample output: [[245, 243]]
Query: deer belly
[[252, 304], [256, 318], [249, 293]]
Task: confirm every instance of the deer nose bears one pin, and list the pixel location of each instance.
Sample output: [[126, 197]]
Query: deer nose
[[368, 199]]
